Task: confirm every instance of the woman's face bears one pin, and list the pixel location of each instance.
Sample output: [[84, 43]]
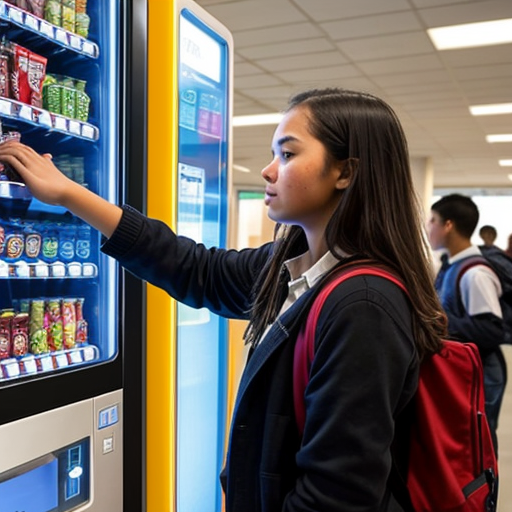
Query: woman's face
[[302, 188]]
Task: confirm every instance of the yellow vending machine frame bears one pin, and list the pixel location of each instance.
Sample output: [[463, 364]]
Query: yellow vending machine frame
[[162, 203]]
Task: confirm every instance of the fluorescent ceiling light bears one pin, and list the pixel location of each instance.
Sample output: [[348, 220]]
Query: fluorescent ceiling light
[[256, 120], [500, 137], [241, 168], [489, 110], [469, 35], [506, 163]]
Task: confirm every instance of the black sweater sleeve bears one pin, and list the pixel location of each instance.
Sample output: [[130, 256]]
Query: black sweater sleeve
[[218, 279]]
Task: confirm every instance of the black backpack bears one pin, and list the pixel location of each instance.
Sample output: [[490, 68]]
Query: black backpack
[[501, 264]]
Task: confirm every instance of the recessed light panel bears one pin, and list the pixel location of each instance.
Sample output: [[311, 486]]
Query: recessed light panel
[[490, 110], [469, 35], [499, 137]]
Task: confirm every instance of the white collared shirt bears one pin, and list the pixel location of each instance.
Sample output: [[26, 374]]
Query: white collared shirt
[[480, 287], [301, 283]]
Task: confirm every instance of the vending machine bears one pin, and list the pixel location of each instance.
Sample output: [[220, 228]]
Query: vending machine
[[190, 83], [72, 84]]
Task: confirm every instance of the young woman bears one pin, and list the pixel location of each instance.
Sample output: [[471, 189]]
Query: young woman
[[340, 189]]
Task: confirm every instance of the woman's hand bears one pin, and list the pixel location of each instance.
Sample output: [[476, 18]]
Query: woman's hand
[[49, 185], [38, 172]]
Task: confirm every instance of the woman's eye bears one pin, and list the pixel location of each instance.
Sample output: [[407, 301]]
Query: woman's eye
[[286, 155]]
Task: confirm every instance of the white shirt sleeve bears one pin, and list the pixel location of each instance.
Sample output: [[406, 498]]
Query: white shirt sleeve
[[480, 291]]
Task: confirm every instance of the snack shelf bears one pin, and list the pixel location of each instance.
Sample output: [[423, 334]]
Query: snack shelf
[[35, 116], [32, 364], [40, 270], [47, 30]]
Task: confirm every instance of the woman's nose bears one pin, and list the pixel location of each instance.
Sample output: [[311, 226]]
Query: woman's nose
[[269, 172]]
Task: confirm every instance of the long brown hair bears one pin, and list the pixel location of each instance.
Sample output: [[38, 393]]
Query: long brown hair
[[378, 215]]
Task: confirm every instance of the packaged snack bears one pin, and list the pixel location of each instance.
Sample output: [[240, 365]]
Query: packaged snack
[[5, 334], [53, 12], [53, 324], [33, 241], [83, 242], [51, 94], [7, 173], [36, 7], [81, 6], [50, 244], [19, 334], [38, 336], [2, 241], [68, 98], [82, 22], [5, 60], [81, 323], [68, 15], [82, 101], [67, 243], [20, 89], [78, 166], [36, 76], [14, 243], [69, 322]]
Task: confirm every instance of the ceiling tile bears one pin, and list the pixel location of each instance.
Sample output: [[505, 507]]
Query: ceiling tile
[[251, 14], [322, 10], [288, 48], [291, 62], [315, 75], [423, 64], [469, 12], [372, 25], [277, 34], [261, 80], [396, 45]]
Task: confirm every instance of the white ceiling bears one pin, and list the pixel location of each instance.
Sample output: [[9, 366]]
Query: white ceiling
[[379, 46]]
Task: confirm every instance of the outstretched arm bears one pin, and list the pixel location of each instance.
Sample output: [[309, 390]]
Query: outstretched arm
[[49, 185]]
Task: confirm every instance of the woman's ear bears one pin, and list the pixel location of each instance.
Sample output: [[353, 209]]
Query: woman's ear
[[347, 170]]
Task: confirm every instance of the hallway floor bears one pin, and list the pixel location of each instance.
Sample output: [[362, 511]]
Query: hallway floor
[[505, 441]]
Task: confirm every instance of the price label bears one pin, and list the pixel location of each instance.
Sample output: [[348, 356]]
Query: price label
[[74, 127], [75, 42], [30, 365], [61, 360], [12, 369], [45, 119], [88, 131], [5, 107], [88, 353], [76, 356], [15, 15], [31, 22], [25, 113], [89, 49], [46, 29], [46, 363], [41, 270], [61, 36], [60, 123], [89, 270]]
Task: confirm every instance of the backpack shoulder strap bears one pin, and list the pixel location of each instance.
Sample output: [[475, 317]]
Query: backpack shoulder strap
[[318, 303], [305, 345]]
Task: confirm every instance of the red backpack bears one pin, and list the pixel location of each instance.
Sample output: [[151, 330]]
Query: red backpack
[[451, 463]]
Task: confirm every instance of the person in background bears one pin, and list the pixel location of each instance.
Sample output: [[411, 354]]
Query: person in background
[[471, 300], [508, 250], [339, 186], [488, 234]]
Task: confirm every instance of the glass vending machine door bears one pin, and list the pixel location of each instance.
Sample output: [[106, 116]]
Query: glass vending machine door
[[59, 81], [202, 204]]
